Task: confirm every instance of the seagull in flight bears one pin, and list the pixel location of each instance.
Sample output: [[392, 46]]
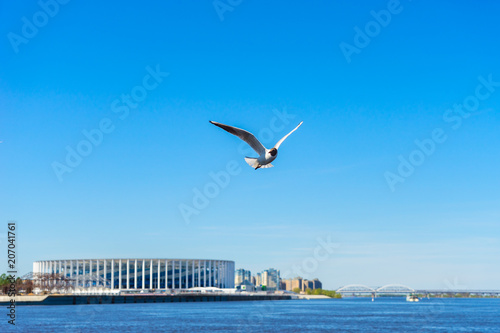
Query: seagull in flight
[[266, 156]]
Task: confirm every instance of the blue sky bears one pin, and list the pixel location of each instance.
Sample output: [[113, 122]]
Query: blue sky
[[263, 67]]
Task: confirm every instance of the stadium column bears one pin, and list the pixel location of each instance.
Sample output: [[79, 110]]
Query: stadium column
[[199, 271], [128, 274], [77, 271], [119, 274], [216, 271], [192, 274], [151, 274], [112, 274], [159, 266], [225, 274], [44, 267], [219, 275], [204, 273], [135, 274], [178, 264], [216, 274], [210, 273], [105, 276], [97, 273], [166, 274], [143, 274], [173, 274], [180, 274], [54, 271], [186, 273], [83, 271], [177, 267]]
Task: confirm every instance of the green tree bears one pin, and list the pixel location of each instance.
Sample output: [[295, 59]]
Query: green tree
[[3, 279]]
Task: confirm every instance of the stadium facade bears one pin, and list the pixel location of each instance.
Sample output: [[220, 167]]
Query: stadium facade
[[137, 274]]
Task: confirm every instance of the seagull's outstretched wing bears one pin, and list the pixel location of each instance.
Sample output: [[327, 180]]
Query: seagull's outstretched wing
[[286, 136], [243, 135]]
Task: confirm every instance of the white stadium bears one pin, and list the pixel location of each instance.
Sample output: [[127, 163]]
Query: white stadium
[[137, 274]]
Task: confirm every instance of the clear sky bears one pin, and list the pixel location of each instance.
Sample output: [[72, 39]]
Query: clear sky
[[368, 86]]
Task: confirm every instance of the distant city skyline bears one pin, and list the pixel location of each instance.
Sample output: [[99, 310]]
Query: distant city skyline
[[107, 150]]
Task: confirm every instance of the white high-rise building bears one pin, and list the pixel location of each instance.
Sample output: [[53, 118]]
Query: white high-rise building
[[241, 275], [271, 279]]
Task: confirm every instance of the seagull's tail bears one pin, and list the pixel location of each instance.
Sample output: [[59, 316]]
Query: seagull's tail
[[265, 166], [255, 164], [252, 162]]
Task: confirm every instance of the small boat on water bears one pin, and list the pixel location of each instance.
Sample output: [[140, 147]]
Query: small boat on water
[[412, 298]]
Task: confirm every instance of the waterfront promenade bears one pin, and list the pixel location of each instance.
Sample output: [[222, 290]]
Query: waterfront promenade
[[72, 299]]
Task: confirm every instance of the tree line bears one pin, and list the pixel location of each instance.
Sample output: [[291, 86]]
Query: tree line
[[319, 291]]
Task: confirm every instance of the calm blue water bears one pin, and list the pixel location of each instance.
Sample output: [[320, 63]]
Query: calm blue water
[[346, 315]]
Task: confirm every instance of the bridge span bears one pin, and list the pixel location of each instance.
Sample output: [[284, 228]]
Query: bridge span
[[400, 289]]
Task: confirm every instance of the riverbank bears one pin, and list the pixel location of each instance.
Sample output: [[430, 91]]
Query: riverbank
[[301, 296], [126, 299]]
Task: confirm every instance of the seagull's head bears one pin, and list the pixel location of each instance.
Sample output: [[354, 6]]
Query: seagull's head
[[273, 152]]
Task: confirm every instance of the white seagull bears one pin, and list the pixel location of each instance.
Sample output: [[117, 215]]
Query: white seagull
[[266, 156]]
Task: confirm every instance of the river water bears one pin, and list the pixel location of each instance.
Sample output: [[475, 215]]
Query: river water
[[345, 315]]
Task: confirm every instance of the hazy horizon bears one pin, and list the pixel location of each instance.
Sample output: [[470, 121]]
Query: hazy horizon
[[108, 152]]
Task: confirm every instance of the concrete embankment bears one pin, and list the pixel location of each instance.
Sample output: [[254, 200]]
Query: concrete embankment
[[127, 299], [313, 297]]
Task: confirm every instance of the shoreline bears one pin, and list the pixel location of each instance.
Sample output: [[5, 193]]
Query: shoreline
[[72, 299]]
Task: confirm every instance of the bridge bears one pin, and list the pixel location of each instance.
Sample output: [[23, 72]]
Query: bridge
[[400, 289]]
